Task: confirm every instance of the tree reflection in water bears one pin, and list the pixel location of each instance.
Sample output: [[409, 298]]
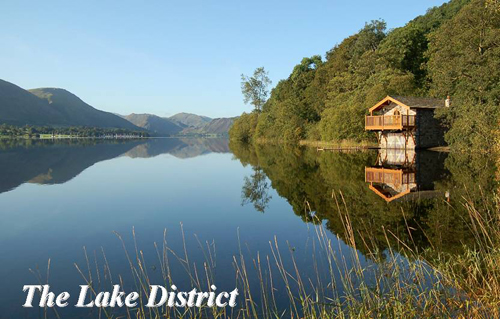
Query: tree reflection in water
[[255, 190], [428, 224]]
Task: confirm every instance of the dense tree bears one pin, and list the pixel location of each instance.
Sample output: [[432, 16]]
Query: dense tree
[[451, 50], [465, 63], [243, 128], [404, 49], [493, 5], [294, 104]]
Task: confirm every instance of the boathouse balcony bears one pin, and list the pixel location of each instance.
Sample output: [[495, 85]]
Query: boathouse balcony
[[389, 122], [390, 184], [389, 176]]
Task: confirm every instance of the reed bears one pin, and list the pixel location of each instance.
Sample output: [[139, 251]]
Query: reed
[[342, 282]]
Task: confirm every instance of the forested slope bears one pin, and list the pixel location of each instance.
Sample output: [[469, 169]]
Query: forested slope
[[452, 50]]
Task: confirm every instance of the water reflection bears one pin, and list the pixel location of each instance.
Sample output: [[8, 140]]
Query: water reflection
[[406, 174], [292, 185], [255, 190], [374, 187], [393, 199], [58, 161]]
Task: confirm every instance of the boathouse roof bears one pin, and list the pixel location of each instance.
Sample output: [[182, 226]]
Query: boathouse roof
[[410, 102]]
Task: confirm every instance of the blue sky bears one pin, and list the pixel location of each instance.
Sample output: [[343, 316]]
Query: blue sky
[[165, 57]]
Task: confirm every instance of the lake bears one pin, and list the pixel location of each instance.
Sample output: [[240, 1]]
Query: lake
[[71, 201]]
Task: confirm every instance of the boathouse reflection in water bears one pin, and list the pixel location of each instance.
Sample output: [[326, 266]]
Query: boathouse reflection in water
[[405, 174]]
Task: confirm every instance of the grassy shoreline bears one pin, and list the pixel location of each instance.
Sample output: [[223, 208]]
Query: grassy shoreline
[[345, 144], [316, 143], [340, 145]]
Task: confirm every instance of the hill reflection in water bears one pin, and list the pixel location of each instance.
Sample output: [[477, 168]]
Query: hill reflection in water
[[58, 161]]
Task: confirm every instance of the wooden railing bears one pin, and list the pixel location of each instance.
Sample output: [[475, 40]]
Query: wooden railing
[[388, 176], [389, 122]]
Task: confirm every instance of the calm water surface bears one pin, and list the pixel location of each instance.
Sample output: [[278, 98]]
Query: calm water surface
[[58, 197]]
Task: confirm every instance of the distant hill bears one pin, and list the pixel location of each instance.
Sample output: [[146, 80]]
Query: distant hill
[[190, 120], [58, 107], [77, 112], [218, 126], [156, 125], [52, 107], [20, 107], [161, 126]]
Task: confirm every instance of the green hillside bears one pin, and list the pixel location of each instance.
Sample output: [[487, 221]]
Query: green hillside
[[451, 50], [77, 112], [20, 107], [190, 120], [52, 107], [158, 126], [219, 126]]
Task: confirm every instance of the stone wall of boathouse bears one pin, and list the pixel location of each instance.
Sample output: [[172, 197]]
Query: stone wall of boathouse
[[430, 132]]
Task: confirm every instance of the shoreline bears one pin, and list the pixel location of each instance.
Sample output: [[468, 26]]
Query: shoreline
[[346, 145], [103, 137]]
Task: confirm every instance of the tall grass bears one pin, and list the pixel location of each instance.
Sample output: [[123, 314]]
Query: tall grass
[[403, 284]]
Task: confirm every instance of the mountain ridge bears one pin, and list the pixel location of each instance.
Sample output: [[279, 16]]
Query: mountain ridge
[[80, 113], [190, 119], [58, 107], [159, 126], [52, 107], [164, 126], [20, 107], [218, 126]]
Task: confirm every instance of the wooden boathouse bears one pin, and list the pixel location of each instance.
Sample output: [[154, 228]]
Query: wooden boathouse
[[406, 122]]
